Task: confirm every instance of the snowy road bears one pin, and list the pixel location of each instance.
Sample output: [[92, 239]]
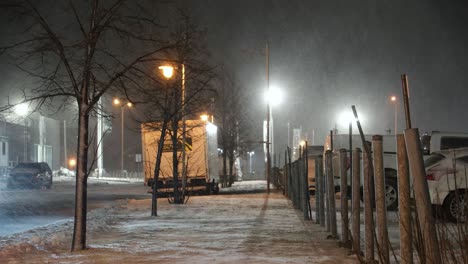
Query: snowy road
[[24, 209]]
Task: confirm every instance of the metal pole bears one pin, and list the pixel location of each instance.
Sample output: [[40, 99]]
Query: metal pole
[[305, 190], [122, 141], [268, 118], [351, 156], [356, 207], [331, 194], [344, 197], [65, 154], [317, 191], [25, 146], [184, 169], [396, 118], [368, 212], [321, 207], [404, 206], [325, 194], [99, 140], [381, 207], [422, 198]]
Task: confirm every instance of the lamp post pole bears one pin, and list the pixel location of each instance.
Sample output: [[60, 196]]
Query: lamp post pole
[[394, 100], [117, 102], [396, 118], [25, 145], [268, 158], [184, 165], [122, 140]]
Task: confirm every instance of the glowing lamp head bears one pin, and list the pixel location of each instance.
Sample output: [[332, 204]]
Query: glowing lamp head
[[72, 162], [22, 109], [129, 104], [393, 98], [204, 117], [167, 71], [302, 143], [116, 101], [273, 96]]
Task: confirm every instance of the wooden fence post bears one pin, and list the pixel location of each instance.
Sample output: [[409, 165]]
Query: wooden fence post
[[344, 197], [368, 211], [356, 205], [331, 194], [321, 207], [406, 236], [381, 207], [421, 194], [317, 192]]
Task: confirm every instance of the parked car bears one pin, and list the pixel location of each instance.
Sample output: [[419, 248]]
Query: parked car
[[30, 174], [447, 174]]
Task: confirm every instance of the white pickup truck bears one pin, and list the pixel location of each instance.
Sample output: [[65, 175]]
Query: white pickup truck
[[430, 143]]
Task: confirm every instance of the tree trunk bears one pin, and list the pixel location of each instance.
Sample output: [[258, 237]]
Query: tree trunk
[[224, 184], [79, 231], [231, 171], [175, 160], [154, 198]]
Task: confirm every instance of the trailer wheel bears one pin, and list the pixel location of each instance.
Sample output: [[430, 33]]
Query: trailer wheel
[[391, 193]]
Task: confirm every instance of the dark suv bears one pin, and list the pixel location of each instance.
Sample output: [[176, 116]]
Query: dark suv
[[30, 174]]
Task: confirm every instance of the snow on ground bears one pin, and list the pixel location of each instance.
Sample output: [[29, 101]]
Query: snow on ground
[[227, 228]]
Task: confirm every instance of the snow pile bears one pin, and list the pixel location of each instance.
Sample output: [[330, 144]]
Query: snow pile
[[245, 187], [247, 228]]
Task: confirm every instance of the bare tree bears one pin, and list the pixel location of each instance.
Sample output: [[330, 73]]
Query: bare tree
[[235, 123], [195, 75], [88, 49]]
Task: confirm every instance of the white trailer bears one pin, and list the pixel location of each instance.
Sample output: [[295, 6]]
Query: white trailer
[[201, 151]]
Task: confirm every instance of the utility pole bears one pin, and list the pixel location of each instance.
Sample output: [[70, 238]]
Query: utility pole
[[268, 170]]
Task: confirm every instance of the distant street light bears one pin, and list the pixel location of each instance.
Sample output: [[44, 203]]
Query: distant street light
[[273, 97], [393, 99], [22, 109], [204, 117], [117, 102], [72, 163]]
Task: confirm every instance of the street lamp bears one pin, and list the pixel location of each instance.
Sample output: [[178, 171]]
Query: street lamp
[[117, 102], [273, 97], [168, 71], [393, 99]]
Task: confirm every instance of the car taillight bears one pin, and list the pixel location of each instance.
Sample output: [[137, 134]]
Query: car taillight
[[430, 177]]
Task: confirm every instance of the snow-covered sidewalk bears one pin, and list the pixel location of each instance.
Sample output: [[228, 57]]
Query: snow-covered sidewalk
[[245, 228]]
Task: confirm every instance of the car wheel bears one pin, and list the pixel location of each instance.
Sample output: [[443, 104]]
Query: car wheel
[[391, 193], [455, 206]]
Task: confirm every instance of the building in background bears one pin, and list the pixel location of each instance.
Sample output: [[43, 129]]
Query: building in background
[[32, 138]]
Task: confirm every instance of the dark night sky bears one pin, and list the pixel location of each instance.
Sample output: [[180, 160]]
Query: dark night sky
[[329, 55]]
